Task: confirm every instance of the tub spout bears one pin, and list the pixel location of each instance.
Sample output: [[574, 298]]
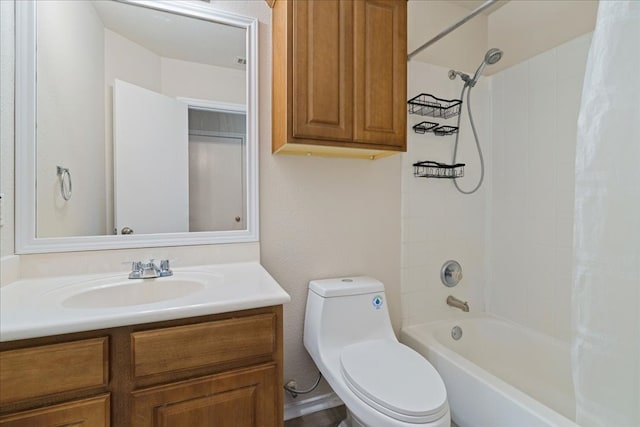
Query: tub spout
[[455, 302]]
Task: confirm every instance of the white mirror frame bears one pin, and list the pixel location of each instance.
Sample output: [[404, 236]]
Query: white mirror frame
[[25, 134]]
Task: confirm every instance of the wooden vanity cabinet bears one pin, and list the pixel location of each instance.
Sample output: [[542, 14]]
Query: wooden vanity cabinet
[[223, 370], [339, 77]]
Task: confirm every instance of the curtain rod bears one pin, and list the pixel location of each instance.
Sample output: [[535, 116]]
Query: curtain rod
[[446, 31]]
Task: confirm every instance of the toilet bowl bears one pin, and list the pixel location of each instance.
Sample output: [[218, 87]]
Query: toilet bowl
[[383, 383]]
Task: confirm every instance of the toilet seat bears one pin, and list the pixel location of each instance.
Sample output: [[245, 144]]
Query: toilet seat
[[395, 380]]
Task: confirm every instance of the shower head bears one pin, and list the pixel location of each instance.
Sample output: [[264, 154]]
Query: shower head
[[491, 57]]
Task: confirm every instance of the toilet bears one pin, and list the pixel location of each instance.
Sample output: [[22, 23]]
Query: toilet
[[383, 383]]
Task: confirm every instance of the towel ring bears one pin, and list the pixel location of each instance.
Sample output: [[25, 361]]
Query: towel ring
[[66, 187]]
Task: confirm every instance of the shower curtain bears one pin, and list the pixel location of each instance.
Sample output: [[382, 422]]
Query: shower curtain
[[606, 290]]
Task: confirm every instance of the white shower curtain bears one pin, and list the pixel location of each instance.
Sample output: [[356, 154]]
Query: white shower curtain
[[606, 291]]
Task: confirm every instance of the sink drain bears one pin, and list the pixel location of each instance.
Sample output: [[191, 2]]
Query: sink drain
[[456, 333]]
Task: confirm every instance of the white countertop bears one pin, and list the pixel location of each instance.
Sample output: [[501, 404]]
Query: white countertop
[[32, 308]]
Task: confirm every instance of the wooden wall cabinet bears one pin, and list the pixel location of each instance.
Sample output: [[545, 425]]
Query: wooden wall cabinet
[[339, 77], [223, 370]]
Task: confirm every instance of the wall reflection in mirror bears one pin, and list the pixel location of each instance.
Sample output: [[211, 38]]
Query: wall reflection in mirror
[[146, 111]]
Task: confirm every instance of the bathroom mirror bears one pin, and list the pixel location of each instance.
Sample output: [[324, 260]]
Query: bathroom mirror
[[136, 125]]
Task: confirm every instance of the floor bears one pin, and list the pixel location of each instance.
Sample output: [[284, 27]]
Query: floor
[[328, 418]]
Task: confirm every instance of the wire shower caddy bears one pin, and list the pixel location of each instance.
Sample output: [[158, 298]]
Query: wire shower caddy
[[430, 169], [426, 104]]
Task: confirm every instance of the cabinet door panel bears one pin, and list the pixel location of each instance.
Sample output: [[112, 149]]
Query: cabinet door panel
[[231, 408], [322, 69], [93, 412], [380, 76], [242, 398]]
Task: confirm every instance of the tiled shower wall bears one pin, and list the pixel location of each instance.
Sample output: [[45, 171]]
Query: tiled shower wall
[[535, 108], [514, 236], [438, 223]]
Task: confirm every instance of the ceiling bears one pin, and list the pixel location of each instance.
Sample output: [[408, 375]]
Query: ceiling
[[521, 28], [175, 36], [474, 4]]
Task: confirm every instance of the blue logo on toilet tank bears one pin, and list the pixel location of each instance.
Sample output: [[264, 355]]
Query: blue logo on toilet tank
[[377, 302]]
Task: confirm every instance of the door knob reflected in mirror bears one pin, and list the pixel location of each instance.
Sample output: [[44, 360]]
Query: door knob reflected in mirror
[[126, 230]]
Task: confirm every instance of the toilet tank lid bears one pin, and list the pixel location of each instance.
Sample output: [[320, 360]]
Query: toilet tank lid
[[343, 286]]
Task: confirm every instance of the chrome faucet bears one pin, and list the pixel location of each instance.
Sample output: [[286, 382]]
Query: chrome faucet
[[149, 270], [455, 302]]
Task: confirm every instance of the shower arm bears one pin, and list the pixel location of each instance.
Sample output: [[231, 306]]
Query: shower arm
[[449, 29]]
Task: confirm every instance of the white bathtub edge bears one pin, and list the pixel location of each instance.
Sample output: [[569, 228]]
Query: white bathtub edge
[[420, 338]]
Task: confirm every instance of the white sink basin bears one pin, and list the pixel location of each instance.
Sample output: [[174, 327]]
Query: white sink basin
[[38, 307], [129, 292]]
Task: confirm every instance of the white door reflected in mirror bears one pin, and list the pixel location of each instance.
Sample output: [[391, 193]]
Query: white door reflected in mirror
[[151, 161]]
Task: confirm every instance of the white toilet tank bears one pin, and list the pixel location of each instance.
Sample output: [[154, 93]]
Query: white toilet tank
[[343, 311]]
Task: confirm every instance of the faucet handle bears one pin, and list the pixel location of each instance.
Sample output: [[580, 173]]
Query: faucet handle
[[164, 268], [136, 270]]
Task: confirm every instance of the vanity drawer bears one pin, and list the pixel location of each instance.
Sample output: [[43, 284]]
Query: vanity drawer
[[203, 344], [48, 369], [92, 412]]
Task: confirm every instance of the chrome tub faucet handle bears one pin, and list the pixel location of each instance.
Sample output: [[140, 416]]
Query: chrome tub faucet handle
[[136, 270], [164, 268]]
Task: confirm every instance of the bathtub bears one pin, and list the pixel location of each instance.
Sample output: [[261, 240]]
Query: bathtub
[[498, 374]]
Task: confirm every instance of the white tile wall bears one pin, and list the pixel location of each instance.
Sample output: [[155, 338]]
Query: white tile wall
[[535, 110], [438, 223], [513, 237]]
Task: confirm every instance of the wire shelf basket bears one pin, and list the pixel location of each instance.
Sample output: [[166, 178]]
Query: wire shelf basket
[[426, 104], [445, 130], [430, 169], [424, 127]]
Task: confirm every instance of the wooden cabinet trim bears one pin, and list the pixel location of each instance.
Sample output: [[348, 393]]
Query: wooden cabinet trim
[[70, 366]]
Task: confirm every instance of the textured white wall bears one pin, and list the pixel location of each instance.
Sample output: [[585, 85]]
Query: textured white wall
[[70, 132], [535, 112]]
